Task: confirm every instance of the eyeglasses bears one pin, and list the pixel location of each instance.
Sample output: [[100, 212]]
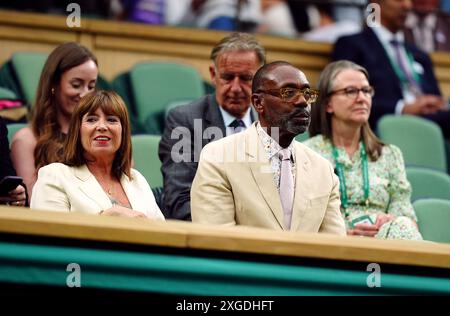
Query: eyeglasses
[[352, 92], [291, 95]]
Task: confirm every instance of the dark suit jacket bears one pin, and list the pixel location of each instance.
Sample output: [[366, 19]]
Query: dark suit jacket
[[366, 50], [202, 116], [6, 166]]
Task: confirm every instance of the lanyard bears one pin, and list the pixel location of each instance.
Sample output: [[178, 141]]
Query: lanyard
[[400, 74], [340, 174]]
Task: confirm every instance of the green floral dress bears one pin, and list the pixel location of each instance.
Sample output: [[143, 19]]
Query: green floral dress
[[390, 191]]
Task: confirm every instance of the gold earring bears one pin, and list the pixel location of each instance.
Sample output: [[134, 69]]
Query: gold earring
[[53, 90]]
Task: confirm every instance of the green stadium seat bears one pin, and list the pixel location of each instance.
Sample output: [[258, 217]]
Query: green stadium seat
[[13, 128], [209, 87], [155, 85], [433, 218], [7, 94], [28, 68], [8, 79], [302, 137], [175, 104], [420, 140], [428, 183], [103, 83], [121, 85], [146, 160]]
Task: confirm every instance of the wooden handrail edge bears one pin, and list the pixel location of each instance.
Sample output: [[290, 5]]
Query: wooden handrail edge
[[217, 238]]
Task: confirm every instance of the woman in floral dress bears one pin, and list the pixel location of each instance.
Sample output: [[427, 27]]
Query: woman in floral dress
[[375, 194]]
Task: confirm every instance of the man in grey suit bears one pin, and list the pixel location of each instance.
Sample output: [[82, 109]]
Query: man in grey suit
[[188, 128]]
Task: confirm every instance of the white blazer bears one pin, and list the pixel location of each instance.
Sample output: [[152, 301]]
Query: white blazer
[[75, 189]]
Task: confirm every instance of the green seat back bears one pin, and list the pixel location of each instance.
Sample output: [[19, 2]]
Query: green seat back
[[175, 104], [302, 137], [428, 183], [447, 153], [121, 84], [420, 140], [433, 218], [103, 83], [7, 94], [146, 160], [28, 68], [155, 85], [209, 87], [13, 128], [8, 79]]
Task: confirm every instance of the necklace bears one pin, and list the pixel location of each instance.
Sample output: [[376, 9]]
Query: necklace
[[110, 193], [108, 190]]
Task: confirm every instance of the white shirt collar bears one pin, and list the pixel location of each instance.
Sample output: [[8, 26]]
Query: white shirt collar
[[385, 36], [270, 145], [228, 118]]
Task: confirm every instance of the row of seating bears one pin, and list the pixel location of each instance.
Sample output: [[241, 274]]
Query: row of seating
[[151, 89], [148, 89], [433, 219], [425, 182], [431, 188]]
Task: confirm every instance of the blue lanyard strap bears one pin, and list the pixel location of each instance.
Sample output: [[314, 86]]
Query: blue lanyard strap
[[340, 174]]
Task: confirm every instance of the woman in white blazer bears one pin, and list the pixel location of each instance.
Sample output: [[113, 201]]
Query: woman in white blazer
[[95, 175]]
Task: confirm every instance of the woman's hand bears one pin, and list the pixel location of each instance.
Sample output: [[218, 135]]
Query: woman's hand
[[16, 197], [121, 211], [383, 218], [362, 230]]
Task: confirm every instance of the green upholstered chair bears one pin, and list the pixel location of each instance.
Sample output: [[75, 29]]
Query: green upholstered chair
[[433, 218], [103, 83], [121, 84], [28, 67], [13, 128], [420, 140], [428, 183], [302, 137], [7, 94], [8, 79], [154, 85], [209, 87], [146, 160], [174, 104]]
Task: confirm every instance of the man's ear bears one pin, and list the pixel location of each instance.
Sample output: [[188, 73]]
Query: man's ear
[[213, 74], [257, 102]]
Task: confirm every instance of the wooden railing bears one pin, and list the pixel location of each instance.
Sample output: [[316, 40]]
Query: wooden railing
[[241, 239], [118, 45]]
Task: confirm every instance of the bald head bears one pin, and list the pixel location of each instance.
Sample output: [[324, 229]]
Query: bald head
[[263, 73], [278, 97]]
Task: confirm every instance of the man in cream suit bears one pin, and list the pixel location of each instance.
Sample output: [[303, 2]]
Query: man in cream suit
[[262, 177]]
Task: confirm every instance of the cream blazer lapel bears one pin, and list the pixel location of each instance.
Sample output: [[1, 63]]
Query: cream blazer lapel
[[262, 173], [91, 188], [138, 203], [302, 178]]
